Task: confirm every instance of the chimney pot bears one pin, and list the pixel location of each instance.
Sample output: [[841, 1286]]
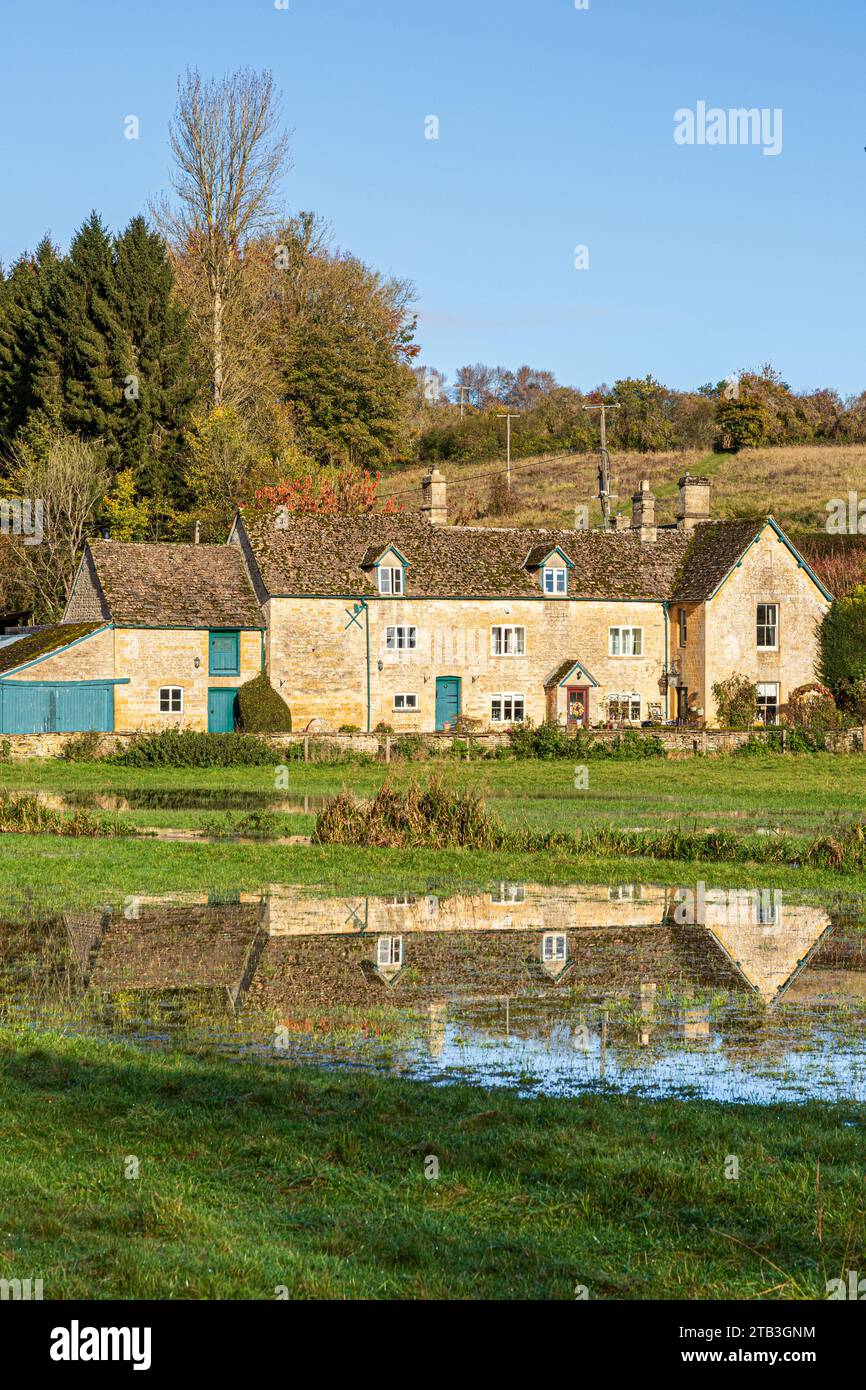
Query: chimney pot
[[694, 502], [643, 513], [434, 498]]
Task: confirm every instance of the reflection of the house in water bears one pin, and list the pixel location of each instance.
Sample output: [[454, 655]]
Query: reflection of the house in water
[[292, 956]]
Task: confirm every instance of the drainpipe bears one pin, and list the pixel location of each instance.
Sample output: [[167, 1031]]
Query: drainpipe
[[366, 608], [666, 607]]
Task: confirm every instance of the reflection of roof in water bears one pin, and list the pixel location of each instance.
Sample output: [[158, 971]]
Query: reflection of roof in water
[[769, 957], [168, 948]]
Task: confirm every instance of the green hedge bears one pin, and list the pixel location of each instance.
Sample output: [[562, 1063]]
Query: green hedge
[[186, 748], [261, 710]]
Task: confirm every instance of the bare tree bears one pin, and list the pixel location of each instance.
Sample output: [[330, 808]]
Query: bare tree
[[63, 487], [230, 153]]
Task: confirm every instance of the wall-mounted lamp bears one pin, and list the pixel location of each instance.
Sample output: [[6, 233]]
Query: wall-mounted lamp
[[197, 662]]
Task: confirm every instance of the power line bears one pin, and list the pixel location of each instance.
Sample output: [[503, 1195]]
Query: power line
[[479, 477]]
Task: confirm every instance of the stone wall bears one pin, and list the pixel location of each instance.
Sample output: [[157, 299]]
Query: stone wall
[[679, 743]]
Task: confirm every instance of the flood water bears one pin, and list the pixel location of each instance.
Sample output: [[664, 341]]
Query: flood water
[[740, 997]]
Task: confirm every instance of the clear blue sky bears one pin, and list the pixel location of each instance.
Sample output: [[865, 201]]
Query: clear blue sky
[[556, 129]]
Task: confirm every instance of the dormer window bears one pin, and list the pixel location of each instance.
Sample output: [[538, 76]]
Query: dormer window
[[549, 569], [554, 579], [390, 579]]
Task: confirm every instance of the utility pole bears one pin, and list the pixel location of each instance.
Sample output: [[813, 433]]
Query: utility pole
[[604, 493], [508, 418], [462, 390]]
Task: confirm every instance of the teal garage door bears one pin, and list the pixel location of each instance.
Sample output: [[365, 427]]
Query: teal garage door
[[69, 707]]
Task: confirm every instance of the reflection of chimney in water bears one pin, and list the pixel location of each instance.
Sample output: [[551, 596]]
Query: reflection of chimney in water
[[437, 1019]]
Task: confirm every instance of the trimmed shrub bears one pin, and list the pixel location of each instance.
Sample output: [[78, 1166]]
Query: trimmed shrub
[[261, 710], [187, 748]]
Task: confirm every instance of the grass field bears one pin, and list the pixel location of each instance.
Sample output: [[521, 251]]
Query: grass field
[[794, 793], [254, 1178]]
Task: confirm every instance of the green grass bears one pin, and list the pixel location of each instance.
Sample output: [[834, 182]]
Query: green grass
[[254, 1177], [84, 873], [796, 793]]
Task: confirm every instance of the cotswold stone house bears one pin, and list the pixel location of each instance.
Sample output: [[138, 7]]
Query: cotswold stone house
[[408, 622], [153, 636], [405, 621]]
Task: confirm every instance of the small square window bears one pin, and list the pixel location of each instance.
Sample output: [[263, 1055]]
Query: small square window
[[508, 641], [507, 708], [405, 702], [390, 579], [555, 580], [507, 894], [401, 638], [625, 641], [389, 951], [553, 947], [171, 699]]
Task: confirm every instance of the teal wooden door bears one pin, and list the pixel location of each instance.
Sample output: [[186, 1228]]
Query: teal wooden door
[[221, 711], [447, 700]]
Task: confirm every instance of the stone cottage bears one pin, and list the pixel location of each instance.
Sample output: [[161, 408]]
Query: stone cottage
[[404, 621], [154, 636]]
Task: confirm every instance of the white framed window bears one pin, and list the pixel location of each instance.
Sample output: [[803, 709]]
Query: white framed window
[[507, 893], [768, 627], [401, 638], [768, 702], [390, 579], [389, 951], [625, 641], [405, 702], [507, 708], [554, 946], [171, 699], [407, 900], [624, 706], [555, 579], [507, 640], [684, 626]]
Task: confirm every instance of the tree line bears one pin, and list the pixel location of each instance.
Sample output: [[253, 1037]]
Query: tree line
[[748, 410]]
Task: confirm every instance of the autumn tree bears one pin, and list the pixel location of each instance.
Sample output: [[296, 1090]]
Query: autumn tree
[[230, 154]]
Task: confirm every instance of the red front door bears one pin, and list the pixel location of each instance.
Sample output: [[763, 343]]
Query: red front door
[[577, 705]]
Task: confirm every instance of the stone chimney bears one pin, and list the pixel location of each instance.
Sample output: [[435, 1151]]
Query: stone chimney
[[643, 513], [694, 502], [434, 505]]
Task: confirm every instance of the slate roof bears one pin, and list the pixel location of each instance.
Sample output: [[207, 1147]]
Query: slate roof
[[325, 555], [48, 639], [156, 584]]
